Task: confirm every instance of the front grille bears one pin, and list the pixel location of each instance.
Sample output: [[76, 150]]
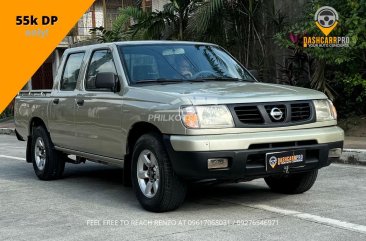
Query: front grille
[[300, 111], [273, 114], [249, 114], [273, 109]]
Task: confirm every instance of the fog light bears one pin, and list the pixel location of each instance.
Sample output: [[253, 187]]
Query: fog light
[[216, 163], [336, 152]]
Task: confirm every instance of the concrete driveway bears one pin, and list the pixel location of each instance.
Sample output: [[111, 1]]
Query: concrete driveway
[[90, 203]]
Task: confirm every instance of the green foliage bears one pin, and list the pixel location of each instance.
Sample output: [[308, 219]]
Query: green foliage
[[133, 23], [234, 24], [123, 27], [353, 88], [348, 63], [352, 23], [355, 83]]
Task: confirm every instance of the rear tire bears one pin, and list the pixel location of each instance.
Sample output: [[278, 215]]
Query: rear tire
[[292, 183], [48, 163], [157, 187]]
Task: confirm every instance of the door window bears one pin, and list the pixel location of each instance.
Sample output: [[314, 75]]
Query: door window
[[71, 71], [101, 62]]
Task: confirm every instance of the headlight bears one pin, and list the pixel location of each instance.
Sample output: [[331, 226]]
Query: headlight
[[212, 116], [325, 110]]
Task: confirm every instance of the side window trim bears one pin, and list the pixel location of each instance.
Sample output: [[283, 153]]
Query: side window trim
[[64, 68], [124, 65], [88, 66]]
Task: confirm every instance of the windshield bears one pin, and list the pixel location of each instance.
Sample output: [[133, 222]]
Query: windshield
[[180, 62]]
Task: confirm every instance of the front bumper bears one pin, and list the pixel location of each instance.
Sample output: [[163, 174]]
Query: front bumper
[[246, 152]]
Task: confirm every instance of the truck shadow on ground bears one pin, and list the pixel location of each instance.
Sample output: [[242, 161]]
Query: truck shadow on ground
[[204, 195]]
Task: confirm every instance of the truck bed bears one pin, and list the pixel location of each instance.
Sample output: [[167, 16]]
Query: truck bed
[[29, 104]]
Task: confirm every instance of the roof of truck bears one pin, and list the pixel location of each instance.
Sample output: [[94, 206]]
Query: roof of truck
[[140, 42]]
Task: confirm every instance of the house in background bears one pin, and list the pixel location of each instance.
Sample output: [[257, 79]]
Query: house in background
[[158, 4], [44, 76], [101, 13]]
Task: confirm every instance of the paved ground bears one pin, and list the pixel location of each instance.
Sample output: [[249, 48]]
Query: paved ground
[[86, 202]]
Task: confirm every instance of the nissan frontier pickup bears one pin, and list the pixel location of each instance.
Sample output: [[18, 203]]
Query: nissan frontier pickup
[[171, 113]]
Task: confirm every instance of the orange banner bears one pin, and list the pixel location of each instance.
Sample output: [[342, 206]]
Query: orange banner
[[32, 29]]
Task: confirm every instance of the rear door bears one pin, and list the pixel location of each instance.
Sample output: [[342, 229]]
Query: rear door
[[98, 111], [62, 107]]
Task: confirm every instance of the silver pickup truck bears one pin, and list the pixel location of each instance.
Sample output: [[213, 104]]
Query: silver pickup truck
[[170, 113]]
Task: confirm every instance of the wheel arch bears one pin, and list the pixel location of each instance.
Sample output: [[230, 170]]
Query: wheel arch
[[136, 131], [35, 122]]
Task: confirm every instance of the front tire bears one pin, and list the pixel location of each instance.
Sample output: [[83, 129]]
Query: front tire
[[48, 163], [292, 183], [157, 187]]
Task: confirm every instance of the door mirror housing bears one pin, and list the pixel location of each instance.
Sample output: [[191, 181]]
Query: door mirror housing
[[107, 80]]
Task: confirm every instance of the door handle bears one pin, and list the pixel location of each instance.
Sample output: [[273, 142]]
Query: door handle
[[80, 102], [56, 101]]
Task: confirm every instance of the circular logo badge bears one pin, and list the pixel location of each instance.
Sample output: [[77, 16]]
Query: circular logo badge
[[326, 16], [272, 161], [276, 113]]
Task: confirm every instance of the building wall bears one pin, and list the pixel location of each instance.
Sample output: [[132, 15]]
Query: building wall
[[90, 19], [93, 17], [158, 4], [43, 77]]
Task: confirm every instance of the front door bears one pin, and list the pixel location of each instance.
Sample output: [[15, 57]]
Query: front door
[[98, 111], [62, 105]]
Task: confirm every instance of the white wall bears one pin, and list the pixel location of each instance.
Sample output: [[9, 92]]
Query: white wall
[[158, 4], [85, 23]]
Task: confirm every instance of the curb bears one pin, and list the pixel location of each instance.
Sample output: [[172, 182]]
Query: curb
[[353, 156], [7, 131], [6, 119]]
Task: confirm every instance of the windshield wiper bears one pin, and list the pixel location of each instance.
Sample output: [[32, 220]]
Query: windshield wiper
[[160, 81]]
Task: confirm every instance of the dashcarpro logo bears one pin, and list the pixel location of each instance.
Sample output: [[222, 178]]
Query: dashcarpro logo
[[326, 19], [273, 161]]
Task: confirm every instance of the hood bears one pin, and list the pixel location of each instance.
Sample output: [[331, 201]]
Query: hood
[[221, 92]]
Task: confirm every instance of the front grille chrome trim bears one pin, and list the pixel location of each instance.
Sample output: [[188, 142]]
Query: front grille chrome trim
[[259, 114]]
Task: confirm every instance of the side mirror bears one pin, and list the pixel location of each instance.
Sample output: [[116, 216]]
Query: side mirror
[[107, 80], [254, 72]]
